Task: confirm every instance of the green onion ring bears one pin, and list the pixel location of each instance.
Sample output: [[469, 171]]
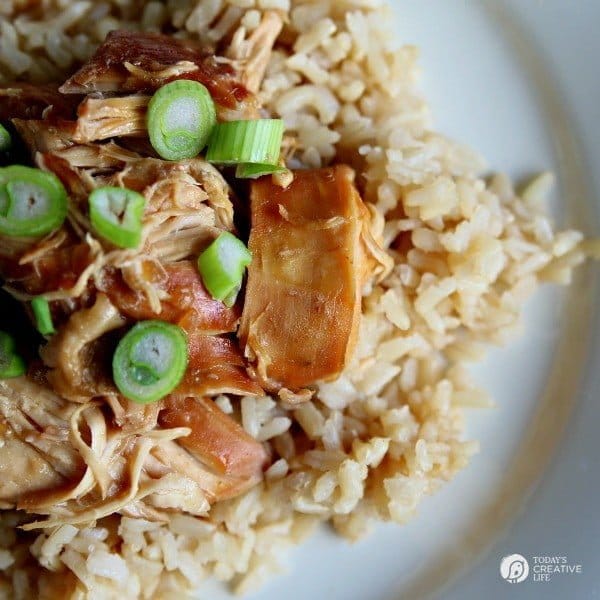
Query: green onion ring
[[150, 361], [116, 215], [5, 139], [32, 202], [181, 117], [222, 266], [246, 142]]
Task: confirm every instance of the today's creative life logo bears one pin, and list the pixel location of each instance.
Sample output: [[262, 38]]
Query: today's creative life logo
[[514, 568]]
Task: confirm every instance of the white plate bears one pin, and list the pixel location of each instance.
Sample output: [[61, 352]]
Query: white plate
[[518, 80]]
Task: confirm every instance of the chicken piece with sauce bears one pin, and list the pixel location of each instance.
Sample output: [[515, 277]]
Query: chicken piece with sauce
[[313, 249], [133, 61], [312, 252], [138, 63], [35, 454], [188, 204], [69, 462]]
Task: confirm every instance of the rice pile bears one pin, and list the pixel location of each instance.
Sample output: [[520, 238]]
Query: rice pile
[[468, 252]]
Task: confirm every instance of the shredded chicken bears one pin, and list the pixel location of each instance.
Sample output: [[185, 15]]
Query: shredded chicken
[[188, 205], [216, 440], [188, 202], [253, 54], [139, 61], [172, 457], [72, 463], [103, 118], [125, 116], [181, 186], [77, 354], [132, 417], [216, 366], [114, 479], [97, 158], [72, 448], [84, 167], [45, 136], [303, 297], [35, 454], [184, 300]]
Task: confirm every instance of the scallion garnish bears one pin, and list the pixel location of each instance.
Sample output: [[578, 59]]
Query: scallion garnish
[[116, 214], [43, 318], [11, 364], [254, 171], [150, 361], [5, 139], [32, 202], [181, 117], [222, 267], [247, 143]]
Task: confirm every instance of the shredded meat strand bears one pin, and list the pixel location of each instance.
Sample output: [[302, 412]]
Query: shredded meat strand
[[253, 54], [77, 355], [75, 463], [103, 118], [45, 135]]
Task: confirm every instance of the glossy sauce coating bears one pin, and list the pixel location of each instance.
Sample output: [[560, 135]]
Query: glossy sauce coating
[[302, 304], [152, 53]]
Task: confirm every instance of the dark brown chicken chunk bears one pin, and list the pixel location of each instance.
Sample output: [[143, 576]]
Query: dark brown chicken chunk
[[29, 101], [187, 303], [130, 61]]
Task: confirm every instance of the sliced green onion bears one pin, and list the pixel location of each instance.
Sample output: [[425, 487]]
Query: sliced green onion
[[252, 142], [150, 361], [181, 117], [254, 171], [116, 214], [230, 299], [11, 364], [32, 202], [222, 267], [43, 318], [5, 139]]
